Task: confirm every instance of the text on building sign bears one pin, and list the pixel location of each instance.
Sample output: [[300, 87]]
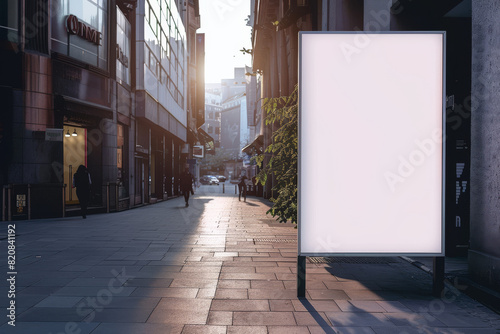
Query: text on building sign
[[76, 27], [122, 58]]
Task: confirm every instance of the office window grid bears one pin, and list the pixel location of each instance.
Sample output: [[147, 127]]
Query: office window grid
[[168, 42]]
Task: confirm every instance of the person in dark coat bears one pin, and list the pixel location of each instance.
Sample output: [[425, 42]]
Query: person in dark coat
[[242, 187], [82, 182], [187, 185]]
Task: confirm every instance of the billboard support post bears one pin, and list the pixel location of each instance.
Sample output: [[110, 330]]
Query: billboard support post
[[438, 276], [301, 276]]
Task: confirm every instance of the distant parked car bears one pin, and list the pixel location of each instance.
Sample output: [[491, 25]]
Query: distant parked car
[[208, 180], [214, 180], [205, 180], [221, 178]]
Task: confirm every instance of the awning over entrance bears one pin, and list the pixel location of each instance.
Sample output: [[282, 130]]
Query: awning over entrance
[[207, 141], [255, 147], [192, 137], [81, 112]]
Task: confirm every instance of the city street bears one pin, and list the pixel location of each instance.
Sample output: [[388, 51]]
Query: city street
[[217, 266]]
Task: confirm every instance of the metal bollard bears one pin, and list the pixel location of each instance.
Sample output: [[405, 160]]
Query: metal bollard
[[9, 203], [70, 181], [3, 204], [223, 188], [117, 202], [107, 197], [29, 201], [64, 200]]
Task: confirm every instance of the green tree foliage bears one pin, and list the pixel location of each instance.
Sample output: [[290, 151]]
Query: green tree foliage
[[283, 113], [216, 162]]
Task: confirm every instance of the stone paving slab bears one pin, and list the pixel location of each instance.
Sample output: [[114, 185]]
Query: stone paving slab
[[132, 302], [49, 327], [240, 305], [115, 315], [55, 301], [224, 318], [218, 266], [263, 318]]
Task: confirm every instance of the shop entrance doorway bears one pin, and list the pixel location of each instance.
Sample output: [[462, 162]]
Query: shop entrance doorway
[[140, 180], [75, 154]]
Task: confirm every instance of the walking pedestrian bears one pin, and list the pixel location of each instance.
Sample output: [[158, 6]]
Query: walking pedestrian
[[82, 182], [187, 185], [242, 187]]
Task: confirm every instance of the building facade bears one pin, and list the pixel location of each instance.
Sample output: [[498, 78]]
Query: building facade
[[101, 84], [160, 101], [213, 110], [234, 125], [483, 109], [254, 146], [254, 108], [70, 64], [235, 85], [212, 124]]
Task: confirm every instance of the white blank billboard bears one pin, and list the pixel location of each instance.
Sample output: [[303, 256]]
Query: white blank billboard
[[370, 144]]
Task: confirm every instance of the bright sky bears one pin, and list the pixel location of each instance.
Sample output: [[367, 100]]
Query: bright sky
[[223, 23]]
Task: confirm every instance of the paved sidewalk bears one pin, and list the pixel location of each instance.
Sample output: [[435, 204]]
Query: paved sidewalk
[[218, 266], [457, 274]]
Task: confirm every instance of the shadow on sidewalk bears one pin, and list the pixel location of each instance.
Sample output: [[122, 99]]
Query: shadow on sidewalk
[[317, 317], [250, 204]]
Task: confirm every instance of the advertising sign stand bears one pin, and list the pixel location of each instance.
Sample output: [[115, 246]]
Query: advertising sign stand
[[301, 276], [400, 172]]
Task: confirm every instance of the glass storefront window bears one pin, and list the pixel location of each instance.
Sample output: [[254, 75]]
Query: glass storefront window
[[74, 155], [9, 21], [120, 141], [146, 12], [164, 42], [149, 36], [152, 63], [103, 51], [166, 13], [155, 6], [121, 158], [123, 36], [153, 22]]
